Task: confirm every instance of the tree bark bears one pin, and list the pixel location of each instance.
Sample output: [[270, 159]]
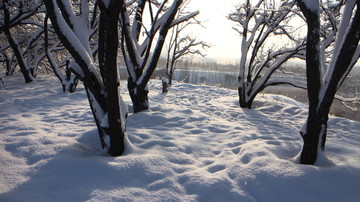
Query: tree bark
[[139, 96], [242, 91], [111, 16], [242, 98], [313, 126]]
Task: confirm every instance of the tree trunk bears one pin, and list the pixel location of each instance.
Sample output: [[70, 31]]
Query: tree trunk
[[242, 100], [139, 96], [165, 85], [313, 127], [315, 133], [144, 66], [116, 132], [102, 92], [72, 79], [171, 77], [243, 94], [26, 72], [101, 130], [8, 64]]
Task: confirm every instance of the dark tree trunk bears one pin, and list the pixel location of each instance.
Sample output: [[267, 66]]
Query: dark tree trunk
[[72, 79], [171, 77], [315, 132], [313, 126], [242, 100], [101, 130], [139, 96], [9, 65], [28, 74], [173, 60], [242, 95], [111, 16], [170, 68]]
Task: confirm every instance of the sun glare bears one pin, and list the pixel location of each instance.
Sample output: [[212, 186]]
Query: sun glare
[[217, 30]]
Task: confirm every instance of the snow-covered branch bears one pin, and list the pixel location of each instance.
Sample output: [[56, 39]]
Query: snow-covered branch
[[141, 54], [259, 23]]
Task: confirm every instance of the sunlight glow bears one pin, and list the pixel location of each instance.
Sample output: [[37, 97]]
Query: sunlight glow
[[218, 32]]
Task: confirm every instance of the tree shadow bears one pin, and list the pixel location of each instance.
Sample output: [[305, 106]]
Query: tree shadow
[[78, 173]]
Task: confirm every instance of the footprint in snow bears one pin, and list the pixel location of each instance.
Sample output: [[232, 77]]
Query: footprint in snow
[[246, 158], [236, 150], [273, 142], [216, 168], [208, 162]]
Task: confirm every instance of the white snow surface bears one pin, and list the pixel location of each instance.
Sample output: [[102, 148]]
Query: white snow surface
[[195, 144]]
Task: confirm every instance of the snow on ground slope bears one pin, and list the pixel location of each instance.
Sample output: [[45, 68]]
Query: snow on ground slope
[[195, 144]]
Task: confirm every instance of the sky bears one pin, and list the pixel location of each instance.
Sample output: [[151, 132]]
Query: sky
[[218, 30], [225, 42]]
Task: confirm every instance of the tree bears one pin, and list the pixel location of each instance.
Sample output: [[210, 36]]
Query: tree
[[101, 81], [181, 46], [325, 78], [142, 52], [63, 70], [14, 13], [8, 59], [260, 23]]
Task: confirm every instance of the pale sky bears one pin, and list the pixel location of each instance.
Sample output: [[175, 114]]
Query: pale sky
[[218, 33]]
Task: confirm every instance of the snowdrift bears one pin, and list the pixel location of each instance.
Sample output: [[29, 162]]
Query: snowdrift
[[195, 144]]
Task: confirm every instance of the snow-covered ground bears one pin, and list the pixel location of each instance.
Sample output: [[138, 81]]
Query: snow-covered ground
[[195, 144]]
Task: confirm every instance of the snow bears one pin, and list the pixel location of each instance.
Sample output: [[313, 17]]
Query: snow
[[195, 144]]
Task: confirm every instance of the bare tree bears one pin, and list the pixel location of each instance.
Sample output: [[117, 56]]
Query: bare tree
[[7, 58], [259, 23], [142, 52], [324, 78], [101, 81], [181, 45], [14, 14]]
